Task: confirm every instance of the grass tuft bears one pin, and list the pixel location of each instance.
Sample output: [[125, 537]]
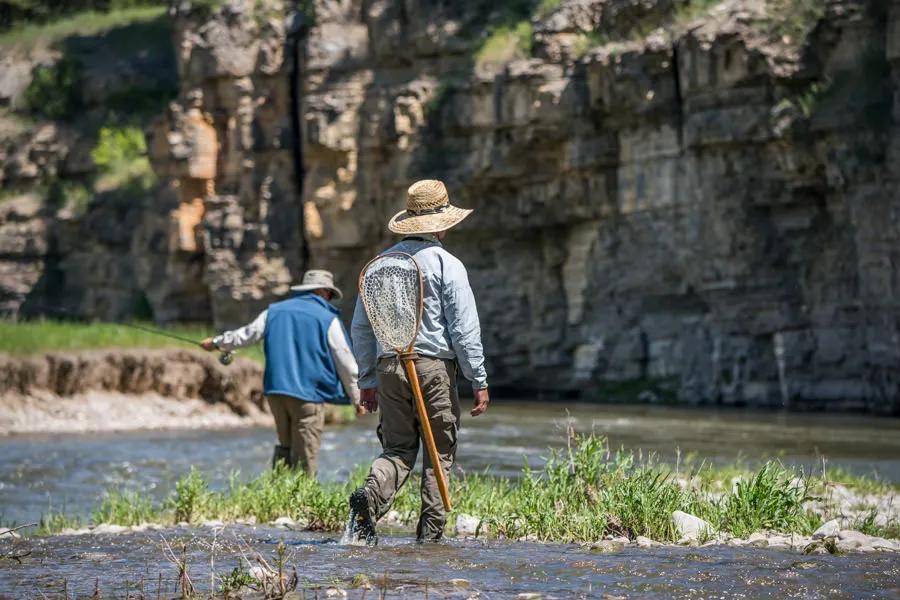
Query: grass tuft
[[88, 23], [39, 336], [581, 494]]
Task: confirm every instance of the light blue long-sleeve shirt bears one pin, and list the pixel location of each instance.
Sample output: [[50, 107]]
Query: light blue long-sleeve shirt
[[449, 328]]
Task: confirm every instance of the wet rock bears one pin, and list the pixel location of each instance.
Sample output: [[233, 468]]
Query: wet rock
[[212, 524], [827, 529], [467, 525], [608, 546], [461, 583], [284, 522], [107, 528], [529, 596], [645, 542], [335, 593], [8, 533], [758, 540], [688, 527], [393, 517]]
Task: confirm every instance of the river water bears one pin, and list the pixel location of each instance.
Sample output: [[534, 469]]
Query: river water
[[400, 568], [70, 472]]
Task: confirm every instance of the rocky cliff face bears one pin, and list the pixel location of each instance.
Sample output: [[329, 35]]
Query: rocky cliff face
[[707, 210], [689, 200]]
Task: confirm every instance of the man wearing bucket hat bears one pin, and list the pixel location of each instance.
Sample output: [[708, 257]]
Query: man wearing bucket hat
[[449, 336], [308, 363]]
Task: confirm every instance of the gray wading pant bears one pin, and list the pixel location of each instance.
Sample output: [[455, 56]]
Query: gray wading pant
[[398, 431], [299, 426]]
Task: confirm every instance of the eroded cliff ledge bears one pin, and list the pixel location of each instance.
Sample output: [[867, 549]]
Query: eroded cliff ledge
[[686, 200]]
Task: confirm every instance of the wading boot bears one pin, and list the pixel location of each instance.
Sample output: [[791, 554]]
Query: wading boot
[[364, 524]]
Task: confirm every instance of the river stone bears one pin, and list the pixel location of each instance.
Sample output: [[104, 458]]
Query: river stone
[[463, 583], [607, 546], [690, 527], [283, 522], [758, 539], [335, 593], [828, 529], [212, 523], [106, 528], [8, 533], [645, 542], [851, 540], [467, 525], [529, 596]]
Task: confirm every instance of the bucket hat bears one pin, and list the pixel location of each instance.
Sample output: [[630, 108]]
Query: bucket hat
[[317, 279], [428, 209]]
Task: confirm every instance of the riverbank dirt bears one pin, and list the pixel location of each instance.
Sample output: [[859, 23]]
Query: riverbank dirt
[[126, 390]]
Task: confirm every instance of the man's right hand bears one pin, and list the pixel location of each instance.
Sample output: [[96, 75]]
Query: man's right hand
[[482, 399], [368, 398], [208, 344]]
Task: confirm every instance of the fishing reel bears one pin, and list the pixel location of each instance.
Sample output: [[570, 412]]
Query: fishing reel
[[226, 358]]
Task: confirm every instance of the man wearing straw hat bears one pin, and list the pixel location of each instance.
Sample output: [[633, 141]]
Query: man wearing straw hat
[[308, 363], [449, 336]]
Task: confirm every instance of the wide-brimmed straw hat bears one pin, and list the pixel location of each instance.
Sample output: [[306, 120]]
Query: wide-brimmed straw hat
[[317, 279], [428, 209]]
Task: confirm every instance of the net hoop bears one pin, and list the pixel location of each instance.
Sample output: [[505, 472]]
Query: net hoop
[[368, 270]]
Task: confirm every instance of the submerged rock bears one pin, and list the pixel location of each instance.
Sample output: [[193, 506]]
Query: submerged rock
[[607, 546]]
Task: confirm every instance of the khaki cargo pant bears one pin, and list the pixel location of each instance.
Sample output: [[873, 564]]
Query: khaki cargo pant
[[398, 431], [299, 427]]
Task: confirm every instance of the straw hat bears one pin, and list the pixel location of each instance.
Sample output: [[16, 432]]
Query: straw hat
[[428, 209], [317, 279]]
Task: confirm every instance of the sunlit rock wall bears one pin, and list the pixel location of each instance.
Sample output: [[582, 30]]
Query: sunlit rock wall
[[702, 213]]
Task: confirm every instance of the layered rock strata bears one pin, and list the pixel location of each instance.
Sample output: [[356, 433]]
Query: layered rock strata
[[707, 211], [672, 202]]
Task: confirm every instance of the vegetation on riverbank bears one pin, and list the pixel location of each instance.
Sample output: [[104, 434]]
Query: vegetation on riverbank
[[35, 337], [580, 495]]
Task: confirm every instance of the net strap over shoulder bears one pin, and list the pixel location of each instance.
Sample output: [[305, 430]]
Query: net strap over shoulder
[[390, 288]]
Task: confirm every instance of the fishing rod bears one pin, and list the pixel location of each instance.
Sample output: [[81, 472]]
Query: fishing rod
[[226, 357]]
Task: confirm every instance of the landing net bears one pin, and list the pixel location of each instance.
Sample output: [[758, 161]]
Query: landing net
[[391, 291]]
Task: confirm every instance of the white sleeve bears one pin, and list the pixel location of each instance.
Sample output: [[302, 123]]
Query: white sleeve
[[346, 366], [243, 336]]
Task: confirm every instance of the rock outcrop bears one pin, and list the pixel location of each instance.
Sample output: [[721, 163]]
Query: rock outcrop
[[675, 201], [705, 211]]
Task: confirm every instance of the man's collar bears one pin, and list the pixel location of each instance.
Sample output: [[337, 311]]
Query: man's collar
[[319, 299], [423, 237]]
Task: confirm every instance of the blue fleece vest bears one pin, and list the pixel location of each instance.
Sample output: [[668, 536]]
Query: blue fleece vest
[[298, 358]]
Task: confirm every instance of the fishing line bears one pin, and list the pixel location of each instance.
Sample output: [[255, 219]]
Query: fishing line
[[226, 357]]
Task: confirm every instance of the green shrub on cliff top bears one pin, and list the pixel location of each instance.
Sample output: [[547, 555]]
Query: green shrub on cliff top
[[504, 44]]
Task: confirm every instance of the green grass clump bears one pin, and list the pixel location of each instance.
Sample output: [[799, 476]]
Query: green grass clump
[[121, 158], [87, 23], [504, 44], [35, 337], [769, 499], [581, 494]]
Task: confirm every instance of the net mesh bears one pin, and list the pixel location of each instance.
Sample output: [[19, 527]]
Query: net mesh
[[390, 290]]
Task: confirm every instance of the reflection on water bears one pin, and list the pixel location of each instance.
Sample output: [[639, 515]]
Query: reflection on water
[[71, 472], [454, 569]]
